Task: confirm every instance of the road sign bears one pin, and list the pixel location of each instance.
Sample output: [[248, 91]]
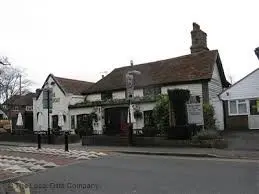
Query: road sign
[[129, 86]]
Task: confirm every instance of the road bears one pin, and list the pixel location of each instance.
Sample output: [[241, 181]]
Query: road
[[126, 174]]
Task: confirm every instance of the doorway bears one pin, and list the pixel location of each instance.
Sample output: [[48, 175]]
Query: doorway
[[115, 120]]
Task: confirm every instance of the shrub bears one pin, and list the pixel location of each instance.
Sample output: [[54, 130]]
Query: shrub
[[208, 115], [149, 131], [161, 113], [207, 135]]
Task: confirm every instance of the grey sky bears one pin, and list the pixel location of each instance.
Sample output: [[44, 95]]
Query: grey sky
[[80, 39]]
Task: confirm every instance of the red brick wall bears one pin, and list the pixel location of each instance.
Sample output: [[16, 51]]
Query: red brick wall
[[239, 122]]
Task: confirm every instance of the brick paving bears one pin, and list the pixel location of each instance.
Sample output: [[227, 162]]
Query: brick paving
[[21, 157], [58, 160]]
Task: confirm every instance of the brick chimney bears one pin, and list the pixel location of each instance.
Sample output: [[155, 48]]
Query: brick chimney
[[199, 39]]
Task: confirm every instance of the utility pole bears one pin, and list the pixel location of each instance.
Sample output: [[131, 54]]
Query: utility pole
[[130, 94], [48, 117]]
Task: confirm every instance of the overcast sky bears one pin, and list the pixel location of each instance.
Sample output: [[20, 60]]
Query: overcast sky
[[79, 39]]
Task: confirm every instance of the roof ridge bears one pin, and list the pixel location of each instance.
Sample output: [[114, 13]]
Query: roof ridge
[[181, 69], [72, 79], [182, 56]]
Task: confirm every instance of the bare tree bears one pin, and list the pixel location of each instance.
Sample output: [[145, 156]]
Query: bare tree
[[10, 83], [4, 61]]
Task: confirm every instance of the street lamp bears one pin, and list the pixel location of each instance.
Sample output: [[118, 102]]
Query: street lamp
[[130, 95]]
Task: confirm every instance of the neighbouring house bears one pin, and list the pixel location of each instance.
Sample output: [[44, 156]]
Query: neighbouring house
[[241, 102], [20, 104], [3, 114], [200, 72], [63, 92]]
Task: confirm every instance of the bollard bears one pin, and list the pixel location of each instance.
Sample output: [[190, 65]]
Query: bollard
[[66, 141], [130, 134], [39, 141]]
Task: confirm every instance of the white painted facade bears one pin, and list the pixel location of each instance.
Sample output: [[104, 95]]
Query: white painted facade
[[215, 85], [139, 124], [61, 101], [138, 93], [93, 97], [242, 92], [215, 88], [246, 88], [119, 95], [195, 89]]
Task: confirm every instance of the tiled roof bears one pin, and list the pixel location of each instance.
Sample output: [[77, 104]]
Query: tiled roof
[[73, 86], [188, 68], [21, 100]]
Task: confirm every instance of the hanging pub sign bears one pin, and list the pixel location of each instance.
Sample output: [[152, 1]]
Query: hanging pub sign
[[47, 98], [195, 113], [129, 86]]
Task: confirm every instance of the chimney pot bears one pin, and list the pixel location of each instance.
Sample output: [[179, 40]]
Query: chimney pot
[[131, 63]]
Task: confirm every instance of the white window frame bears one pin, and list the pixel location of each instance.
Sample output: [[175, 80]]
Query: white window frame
[[237, 103], [29, 108], [16, 108]]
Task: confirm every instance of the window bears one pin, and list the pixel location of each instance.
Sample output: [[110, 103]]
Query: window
[[242, 107], [238, 107], [151, 91], [106, 95], [148, 118], [29, 108], [73, 122], [232, 107], [254, 107], [55, 122], [16, 108]]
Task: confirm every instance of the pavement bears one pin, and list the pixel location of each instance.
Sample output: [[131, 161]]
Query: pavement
[[139, 174], [243, 140]]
